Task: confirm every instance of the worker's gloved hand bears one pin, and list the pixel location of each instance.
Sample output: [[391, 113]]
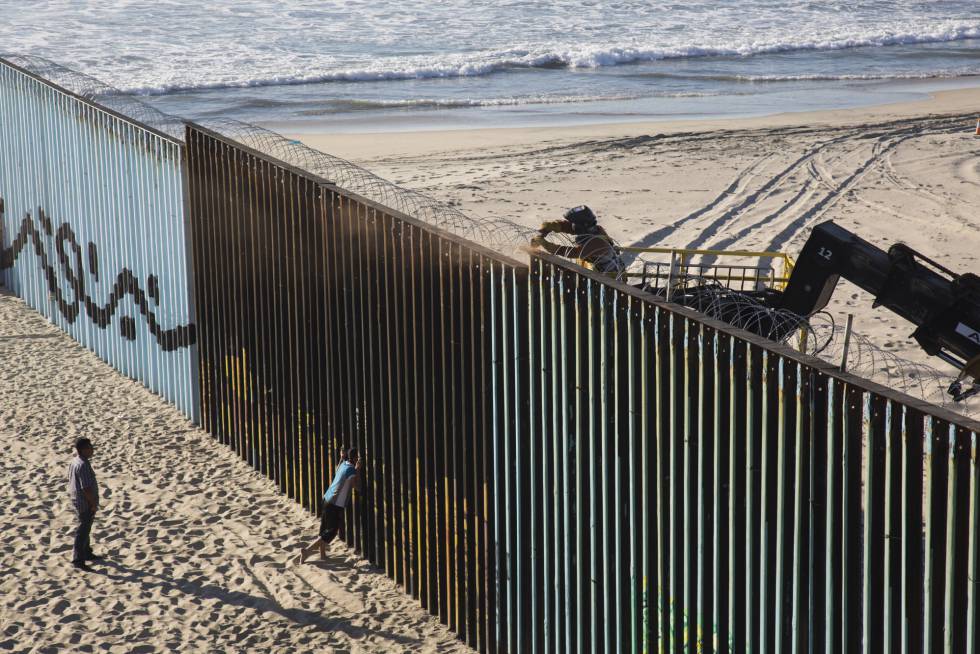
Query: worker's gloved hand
[[553, 226], [538, 241]]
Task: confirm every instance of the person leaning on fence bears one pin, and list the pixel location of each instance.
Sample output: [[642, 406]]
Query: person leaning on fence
[[345, 478], [84, 491], [593, 247]]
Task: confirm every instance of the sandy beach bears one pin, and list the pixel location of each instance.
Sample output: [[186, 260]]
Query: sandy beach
[[198, 546], [905, 172], [530, 492]]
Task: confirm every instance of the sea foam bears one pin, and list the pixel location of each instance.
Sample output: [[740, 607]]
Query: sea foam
[[552, 56]]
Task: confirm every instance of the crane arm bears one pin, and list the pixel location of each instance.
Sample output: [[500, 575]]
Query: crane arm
[[944, 306]]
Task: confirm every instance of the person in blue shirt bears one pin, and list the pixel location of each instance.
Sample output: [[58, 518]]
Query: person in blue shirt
[[335, 499]]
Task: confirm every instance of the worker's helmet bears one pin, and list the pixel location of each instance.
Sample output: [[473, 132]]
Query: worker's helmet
[[581, 217]]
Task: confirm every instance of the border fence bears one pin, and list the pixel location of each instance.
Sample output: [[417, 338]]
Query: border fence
[[92, 230], [555, 461], [326, 320], [709, 491]]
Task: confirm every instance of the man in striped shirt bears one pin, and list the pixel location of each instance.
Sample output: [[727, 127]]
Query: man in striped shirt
[[84, 491]]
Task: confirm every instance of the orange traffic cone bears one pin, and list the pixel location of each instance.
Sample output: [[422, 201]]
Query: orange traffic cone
[[978, 126]]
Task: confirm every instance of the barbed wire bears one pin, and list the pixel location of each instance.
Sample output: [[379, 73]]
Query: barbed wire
[[499, 234], [100, 93], [870, 361], [745, 310], [818, 335]]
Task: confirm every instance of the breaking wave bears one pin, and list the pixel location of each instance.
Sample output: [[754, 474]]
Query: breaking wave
[[558, 56]]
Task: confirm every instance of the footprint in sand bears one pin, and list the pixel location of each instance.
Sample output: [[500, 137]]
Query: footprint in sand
[[31, 604]]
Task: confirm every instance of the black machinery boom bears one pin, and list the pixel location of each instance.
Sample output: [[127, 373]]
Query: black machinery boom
[[944, 306]]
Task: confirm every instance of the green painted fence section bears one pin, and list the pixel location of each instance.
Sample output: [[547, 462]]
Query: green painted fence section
[[556, 462], [699, 489]]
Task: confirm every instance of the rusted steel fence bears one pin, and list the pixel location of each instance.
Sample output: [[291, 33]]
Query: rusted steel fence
[[557, 462], [700, 489], [92, 230], [327, 321], [554, 461]]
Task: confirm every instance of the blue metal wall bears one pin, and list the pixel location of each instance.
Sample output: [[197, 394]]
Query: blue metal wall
[[92, 231]]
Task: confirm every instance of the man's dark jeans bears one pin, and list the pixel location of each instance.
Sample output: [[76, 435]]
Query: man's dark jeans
[[83, 548]]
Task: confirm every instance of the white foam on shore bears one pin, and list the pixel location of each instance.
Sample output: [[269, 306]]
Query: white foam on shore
[[186, 46], [452, 65]]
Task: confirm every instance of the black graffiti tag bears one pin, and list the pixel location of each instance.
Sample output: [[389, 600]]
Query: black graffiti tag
[[71, 268]]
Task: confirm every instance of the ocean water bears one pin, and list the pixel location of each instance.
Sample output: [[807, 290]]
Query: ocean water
[[392, 64]]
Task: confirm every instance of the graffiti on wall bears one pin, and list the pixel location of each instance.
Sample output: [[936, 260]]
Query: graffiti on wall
[[71, 268]]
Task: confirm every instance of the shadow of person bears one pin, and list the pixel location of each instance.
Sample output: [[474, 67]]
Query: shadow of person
[[331, 565], [147, 581]]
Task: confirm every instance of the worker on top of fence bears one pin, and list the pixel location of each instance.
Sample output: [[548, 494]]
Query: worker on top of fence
[[593, 247]]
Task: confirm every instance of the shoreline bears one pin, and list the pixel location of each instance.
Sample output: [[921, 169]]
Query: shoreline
[[371, 145]]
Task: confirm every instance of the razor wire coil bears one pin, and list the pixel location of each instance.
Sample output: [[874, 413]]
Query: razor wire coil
[[823, 337]]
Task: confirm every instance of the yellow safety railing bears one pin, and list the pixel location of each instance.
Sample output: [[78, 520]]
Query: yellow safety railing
[[680, 262]]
